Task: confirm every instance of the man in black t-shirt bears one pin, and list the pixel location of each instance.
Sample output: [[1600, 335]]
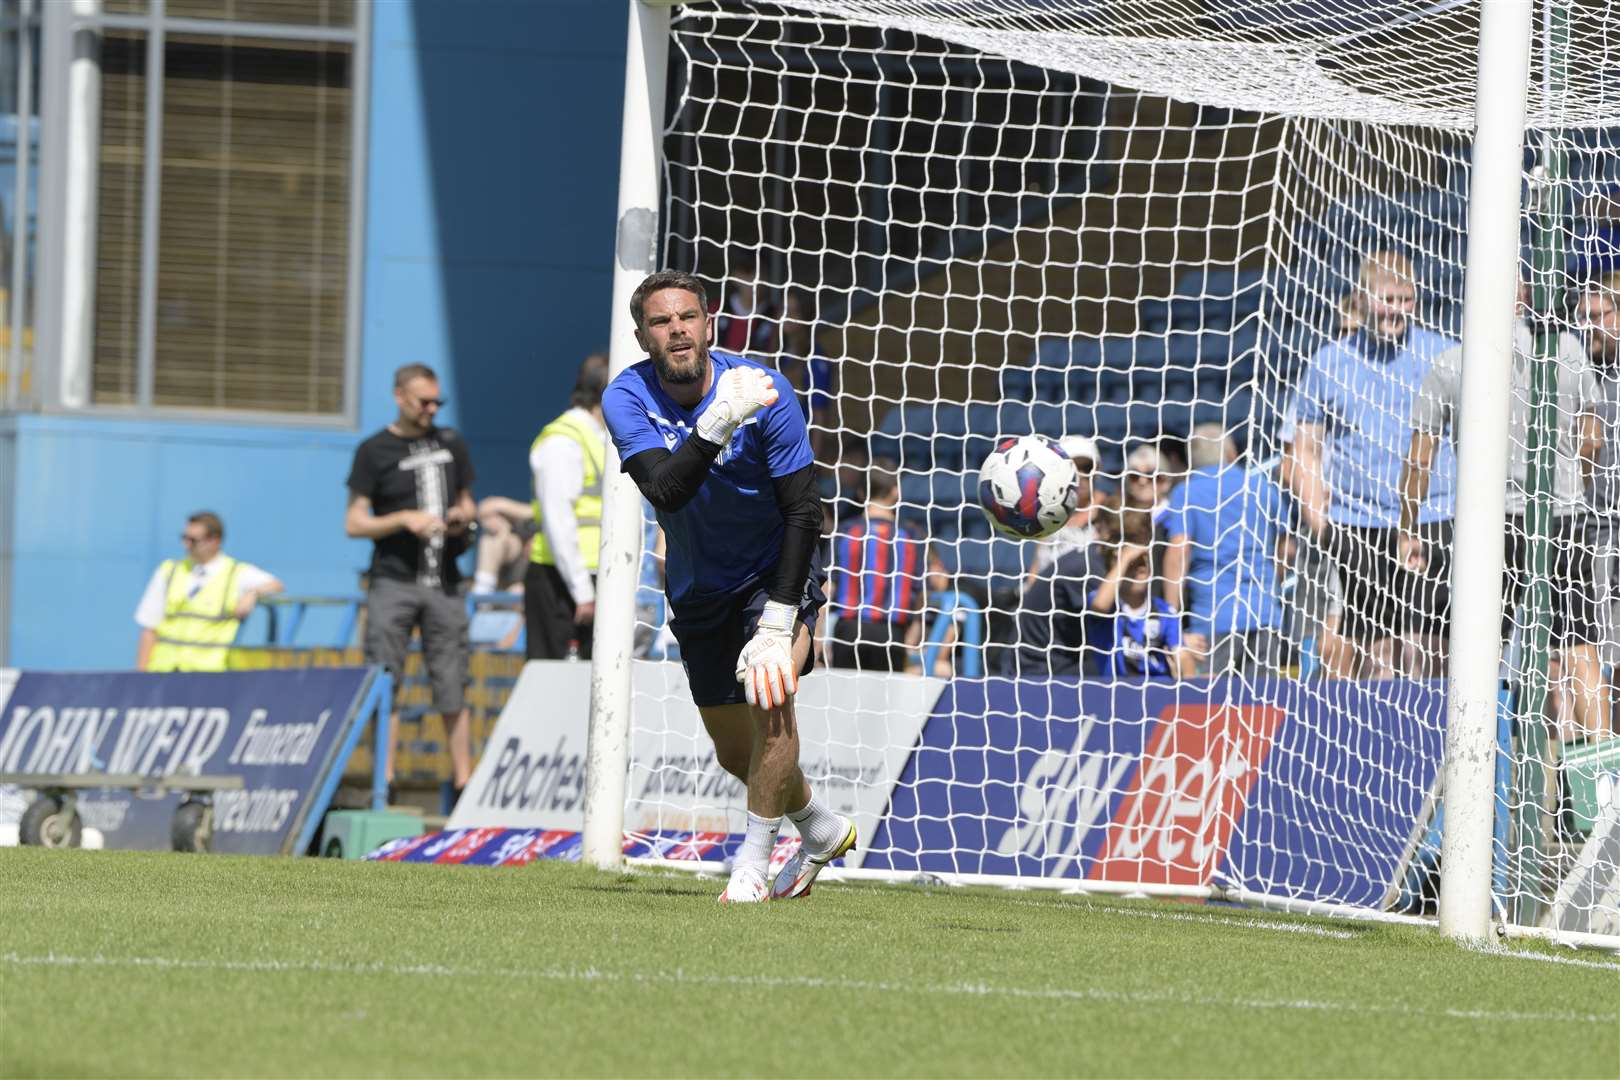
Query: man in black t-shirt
[[1056, 630], [410, 493]]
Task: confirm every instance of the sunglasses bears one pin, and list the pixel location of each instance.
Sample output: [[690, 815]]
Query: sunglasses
[[188, 540], [437, 402]]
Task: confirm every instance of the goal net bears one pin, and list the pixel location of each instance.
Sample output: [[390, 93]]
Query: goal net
[[1215, 253]]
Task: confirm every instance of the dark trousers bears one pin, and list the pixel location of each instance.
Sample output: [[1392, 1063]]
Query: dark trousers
[[868, 645], [548, 616]]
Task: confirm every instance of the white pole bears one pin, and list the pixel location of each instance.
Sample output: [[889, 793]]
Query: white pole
[[608, 747], [79, 211], [1476, 597]]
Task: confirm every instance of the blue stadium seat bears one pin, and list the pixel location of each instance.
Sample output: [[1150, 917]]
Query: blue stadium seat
[[1112, 420], [1238, 407], [1174, 418], [1051, 384], [1181, 349], [1147, 387], [1082, 384], [1222, 348], [950, 418], [976, 448], [1079, 418], [1017, 382], [1114, 387], [1054, 352], [1009, 561], [884, 442], [1085, 351], [1119, 352], [1179, 385], [1142, 421], [951, 489], [916, 490], [1046, 417], [1153, 315], [1013, 418], [1210, 384], [1148, 351], [981, 420]]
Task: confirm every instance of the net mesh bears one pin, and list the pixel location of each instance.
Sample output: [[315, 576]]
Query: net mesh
[[1165, 235]]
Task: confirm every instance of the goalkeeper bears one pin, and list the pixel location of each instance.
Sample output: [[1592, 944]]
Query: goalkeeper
[[718, 445]]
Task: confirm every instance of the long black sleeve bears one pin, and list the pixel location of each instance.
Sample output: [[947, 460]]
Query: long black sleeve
[[801, 514], [670, 480]]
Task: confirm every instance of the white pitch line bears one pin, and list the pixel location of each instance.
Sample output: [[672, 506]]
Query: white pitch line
[[680, 977], [1218, 920], [1545, 958]]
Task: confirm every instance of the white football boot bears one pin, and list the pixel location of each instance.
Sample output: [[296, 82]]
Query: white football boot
[[800, 872], [747, 886]]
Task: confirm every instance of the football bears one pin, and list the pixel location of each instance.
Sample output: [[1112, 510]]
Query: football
[[1027, 487]]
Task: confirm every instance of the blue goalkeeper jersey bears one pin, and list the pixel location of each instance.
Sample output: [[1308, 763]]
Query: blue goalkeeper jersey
[[731, 531]]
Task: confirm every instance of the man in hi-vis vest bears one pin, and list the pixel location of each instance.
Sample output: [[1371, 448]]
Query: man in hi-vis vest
[[567, 458], [193, 606]]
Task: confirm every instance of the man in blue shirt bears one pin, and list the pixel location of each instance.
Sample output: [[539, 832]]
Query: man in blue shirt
[[1355, 405], [718, 445], [1223, 523]]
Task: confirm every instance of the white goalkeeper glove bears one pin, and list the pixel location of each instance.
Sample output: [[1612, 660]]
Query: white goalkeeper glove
[[765, 667], [741, 393]]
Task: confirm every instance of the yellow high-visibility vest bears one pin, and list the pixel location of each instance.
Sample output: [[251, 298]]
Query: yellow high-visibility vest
[[588, 507], [196, 631]]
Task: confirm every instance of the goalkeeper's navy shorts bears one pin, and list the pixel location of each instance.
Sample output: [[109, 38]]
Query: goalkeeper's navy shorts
[[712, 634]]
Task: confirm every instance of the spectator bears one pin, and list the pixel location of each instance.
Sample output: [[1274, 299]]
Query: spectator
[[568, 458], [1310, 588], [954, 622], [1052, 630], [1138, 633], [876, 580], [193, 607], [1354, 406], [742, 324], [1224, 523], [652, 637], [505, 531], [1077, 533], [1598, 317], [410, 493], [1434, 422], [1149, 478]]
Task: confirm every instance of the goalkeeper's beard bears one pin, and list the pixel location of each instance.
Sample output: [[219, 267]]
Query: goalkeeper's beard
[[677, 373]]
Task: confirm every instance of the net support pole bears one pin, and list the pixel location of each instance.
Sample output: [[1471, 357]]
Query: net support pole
[[1476, 596], [636, 253]]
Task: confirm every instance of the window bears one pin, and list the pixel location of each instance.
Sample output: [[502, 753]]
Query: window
[[223, 269]]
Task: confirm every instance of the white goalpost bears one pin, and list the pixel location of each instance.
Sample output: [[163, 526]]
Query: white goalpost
[[1371, 680]]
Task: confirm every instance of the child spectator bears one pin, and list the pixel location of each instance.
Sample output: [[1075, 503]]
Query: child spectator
[[1137, 632]]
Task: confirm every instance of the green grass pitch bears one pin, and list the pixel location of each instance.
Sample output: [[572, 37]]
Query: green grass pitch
[[136, 964]]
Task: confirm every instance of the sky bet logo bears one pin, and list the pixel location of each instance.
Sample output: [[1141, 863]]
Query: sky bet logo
[[1164, 817], [1194, 781], [554, 781]]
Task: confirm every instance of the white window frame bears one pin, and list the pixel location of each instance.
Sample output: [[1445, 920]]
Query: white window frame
[[65, 353]]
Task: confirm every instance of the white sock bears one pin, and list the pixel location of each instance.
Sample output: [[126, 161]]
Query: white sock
[[483, 581], [819, 827], [758, 841]]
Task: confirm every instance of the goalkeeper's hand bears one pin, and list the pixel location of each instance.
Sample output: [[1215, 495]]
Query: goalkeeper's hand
[[742, 392], [765, 667]]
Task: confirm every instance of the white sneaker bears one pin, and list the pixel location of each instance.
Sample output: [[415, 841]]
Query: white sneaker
[[800, 872], [747, 886]]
